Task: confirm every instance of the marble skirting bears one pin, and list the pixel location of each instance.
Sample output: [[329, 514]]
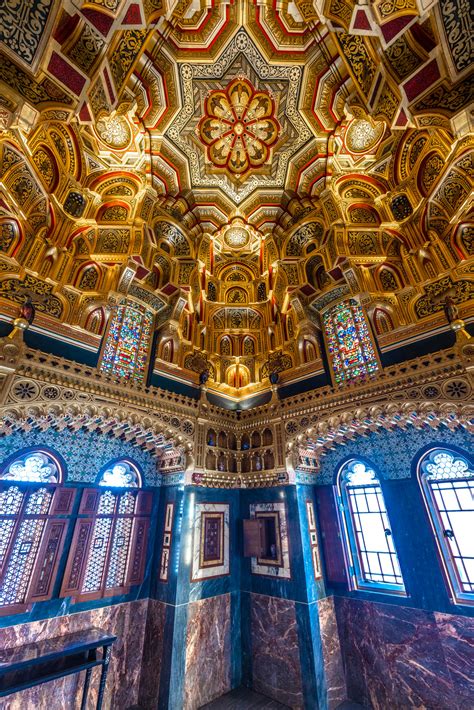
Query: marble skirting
[[275, 653], [126, 621], [208, 651], [398, 657]]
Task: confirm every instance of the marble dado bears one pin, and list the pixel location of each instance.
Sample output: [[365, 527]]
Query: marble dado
[[400, 657], [127, 621], [332, 657], [152, 658], [275, 652], [208, 651]]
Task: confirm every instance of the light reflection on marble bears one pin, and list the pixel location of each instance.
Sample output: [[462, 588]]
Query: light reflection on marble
[[276, 669], [208, 651], [126, 621], [333, 668], [400, 657]]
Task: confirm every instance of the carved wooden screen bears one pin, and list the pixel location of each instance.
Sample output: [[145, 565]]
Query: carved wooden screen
[[33, 525], [108, 550]]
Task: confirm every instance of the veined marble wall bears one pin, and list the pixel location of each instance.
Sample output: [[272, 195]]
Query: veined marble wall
[[127, 621], [152, 658], [208, 651], [400, 657], [332, 657], [276, 667]]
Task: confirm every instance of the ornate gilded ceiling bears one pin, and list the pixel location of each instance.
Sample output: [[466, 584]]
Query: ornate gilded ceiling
[[238, 167]]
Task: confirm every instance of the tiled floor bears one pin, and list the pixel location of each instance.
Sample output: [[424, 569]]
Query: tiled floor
[[245, 699]]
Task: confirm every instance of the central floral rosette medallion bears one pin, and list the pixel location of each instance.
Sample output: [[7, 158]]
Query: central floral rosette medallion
[[239, 127]]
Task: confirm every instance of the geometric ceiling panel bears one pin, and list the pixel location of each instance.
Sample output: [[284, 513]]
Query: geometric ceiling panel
[[241, 58]]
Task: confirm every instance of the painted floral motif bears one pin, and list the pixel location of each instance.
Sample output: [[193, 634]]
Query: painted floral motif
[[239, 127]]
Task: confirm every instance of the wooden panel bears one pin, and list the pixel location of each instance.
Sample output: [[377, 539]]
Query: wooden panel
[[43, 578], [90, 500], [331, 536], [144, 503], [77, 558], [138, 550], [253, 546], [63, 501]]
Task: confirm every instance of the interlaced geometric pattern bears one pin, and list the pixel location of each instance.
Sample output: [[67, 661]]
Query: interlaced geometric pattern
[[109, 549], [450, 482], [10, 504], [17, 573], [128, 341], [366, 516], [120, 542], [349, 343]]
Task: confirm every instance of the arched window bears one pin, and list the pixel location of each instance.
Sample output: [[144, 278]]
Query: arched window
[[167, 351], [127, 342], [34, 517], [373, 560], [447, 480], [211, 292], [108, 549], [309, 351], [349, 342], [256, 439], [225, 346]]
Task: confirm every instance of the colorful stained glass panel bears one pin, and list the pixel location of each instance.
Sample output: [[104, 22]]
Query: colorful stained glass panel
[[128, 341], [349, 343]]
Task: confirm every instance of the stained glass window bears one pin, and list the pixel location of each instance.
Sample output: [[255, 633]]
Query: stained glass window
[[448, 484], [349, 342], [370, 546], [34, 466], [30, 533], [128, 341], [120, 474]]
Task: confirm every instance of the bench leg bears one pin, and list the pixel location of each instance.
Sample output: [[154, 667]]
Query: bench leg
[[103, 676], [85, 691]]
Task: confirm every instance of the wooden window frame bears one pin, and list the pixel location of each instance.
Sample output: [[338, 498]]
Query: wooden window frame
[[82, 539], [48, 555]]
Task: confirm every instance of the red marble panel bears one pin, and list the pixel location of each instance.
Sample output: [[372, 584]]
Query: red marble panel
[[208, 651], [152, 655], [400, 657], [126, 621], [457, 640], [333, 668], [276, 668]]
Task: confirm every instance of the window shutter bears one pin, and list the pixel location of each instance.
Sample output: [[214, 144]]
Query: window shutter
[[253, 544], [63, 501], [144, 503], [138, 548], [77, 558], [331, 536], [42, 581], [90, 501]]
